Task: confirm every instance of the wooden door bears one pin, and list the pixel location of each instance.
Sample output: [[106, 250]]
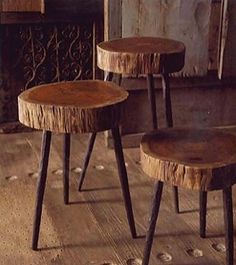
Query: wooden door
[[227, 40], [184, 20]]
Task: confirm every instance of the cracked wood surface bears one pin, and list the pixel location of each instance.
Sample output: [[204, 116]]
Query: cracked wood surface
[[72, 107], [200, 159], [141, 55]]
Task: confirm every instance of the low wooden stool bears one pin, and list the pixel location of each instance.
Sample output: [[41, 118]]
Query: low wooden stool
[[141, 56], [196, 159], [74, 107]]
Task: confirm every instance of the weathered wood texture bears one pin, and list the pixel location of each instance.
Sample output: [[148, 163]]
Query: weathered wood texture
[[191, 158], [23, 6], [214, 32], [93, 228], [141, 55], [186, 21], [227, 52], [112, 19], [70, 107]]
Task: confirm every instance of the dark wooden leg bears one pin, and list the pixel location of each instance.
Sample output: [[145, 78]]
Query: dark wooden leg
[[152, 221], [123, 179], [169, 123], [66, 166], [167, 99], [203, 211], [119, 79], [108, 77], [176, 199], [86, 160], [45, 150], [229, 227], [152, 100]]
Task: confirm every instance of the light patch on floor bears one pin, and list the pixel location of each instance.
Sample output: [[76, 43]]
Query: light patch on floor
[[16, 204]]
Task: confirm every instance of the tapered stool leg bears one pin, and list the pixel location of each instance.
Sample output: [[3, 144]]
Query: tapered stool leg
[[203, 212], [123, 179], [45, 150], [66, 166], [169, 124], [167, 99], [152, 221], [176, 199], [108, 77], [86, 160], [152, 100], [229, 227]]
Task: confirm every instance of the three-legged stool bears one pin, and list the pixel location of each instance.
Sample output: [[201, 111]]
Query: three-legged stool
[[197, 159], [141, 56], [74, 107]]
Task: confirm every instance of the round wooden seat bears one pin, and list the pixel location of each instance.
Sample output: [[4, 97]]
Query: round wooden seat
[[71, 107], [203, 159], [74, 107], [200, 159], [141, 55]]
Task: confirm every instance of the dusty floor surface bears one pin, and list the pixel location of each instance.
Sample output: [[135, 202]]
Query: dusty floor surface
[[93, 229]]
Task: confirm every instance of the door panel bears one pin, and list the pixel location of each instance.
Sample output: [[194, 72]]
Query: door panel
[[184, 20]]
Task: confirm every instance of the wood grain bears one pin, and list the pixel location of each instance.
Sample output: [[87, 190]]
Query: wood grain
[[70, 107], [185, 21], [227, 53], [23, 6], [214, 32], [141, 55], [93, 228], [200, 159], [112, 19]]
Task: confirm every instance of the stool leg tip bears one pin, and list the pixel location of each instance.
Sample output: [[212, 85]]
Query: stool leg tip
[[203, 236], [34, 247], [134, 235]]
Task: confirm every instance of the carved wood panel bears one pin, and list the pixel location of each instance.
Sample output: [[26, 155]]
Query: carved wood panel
[[32, 54]]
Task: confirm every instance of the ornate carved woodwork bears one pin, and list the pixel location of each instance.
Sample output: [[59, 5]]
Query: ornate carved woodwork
[[33, 54]]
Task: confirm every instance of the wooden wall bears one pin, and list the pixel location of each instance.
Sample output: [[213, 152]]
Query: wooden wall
[[23, 6], [227, 54], [184, 20]]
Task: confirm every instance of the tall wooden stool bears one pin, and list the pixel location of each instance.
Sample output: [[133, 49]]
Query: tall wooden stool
[[197, 159], [74, 107], [141, 56]]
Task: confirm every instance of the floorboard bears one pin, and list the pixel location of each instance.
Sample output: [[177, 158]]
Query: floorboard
[[92, 229]]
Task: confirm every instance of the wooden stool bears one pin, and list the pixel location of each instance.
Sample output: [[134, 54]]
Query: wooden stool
[[146, 56], [74, 107], [198, 159]]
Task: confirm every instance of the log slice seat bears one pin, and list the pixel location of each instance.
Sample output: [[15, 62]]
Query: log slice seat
[[74, 107], [195, 159], [141, 55]]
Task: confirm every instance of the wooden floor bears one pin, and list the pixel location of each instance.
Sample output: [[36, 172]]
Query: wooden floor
[[93, 229]]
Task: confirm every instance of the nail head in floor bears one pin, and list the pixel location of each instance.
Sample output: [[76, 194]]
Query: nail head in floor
[[196, 253], [134, 262], [219, 247], [11, 178], [164, 257]]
